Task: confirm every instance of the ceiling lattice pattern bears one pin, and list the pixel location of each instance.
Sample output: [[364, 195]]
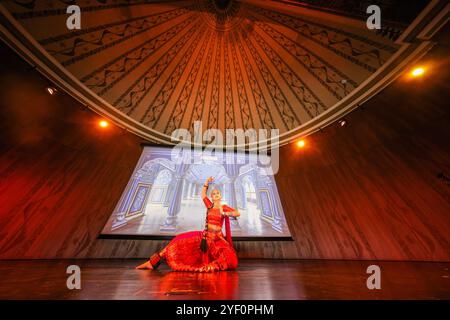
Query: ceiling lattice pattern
[[231, 64]]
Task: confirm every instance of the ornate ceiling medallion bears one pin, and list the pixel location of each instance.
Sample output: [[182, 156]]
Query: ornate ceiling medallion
[[222, 15]]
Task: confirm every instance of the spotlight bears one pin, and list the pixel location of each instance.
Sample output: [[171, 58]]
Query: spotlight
[[301, 143], [417, 72], [51, 90], [103, 123], [342, 122]]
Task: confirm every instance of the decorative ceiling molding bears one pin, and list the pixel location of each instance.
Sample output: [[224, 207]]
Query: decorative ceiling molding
[[357, 9], [156, 66]]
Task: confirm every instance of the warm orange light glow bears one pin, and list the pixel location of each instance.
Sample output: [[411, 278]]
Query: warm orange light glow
[[301, 143], [103, 124], [418, 72]]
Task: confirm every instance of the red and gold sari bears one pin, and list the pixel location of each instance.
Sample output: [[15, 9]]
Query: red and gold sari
[[183, 253]]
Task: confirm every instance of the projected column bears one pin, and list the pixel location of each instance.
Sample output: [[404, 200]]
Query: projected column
[[255, 184], [231, 194], [232, 172], [189, 193], [278, 222], [185, 190], [194, 191], [170, 225], [243, 196], [169, 192]]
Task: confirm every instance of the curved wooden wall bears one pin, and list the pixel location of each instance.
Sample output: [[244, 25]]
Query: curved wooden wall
[[371, 190], [366, 191]]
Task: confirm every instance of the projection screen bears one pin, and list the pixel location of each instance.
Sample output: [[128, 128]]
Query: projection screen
[[162, 197]]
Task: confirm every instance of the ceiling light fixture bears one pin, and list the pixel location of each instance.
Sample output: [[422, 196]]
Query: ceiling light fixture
[[301, 143], [417, 72], [51, 90]]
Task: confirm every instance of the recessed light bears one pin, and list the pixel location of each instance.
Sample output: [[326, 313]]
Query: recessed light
[[342, 122], [301, 143], [51, 90], [417, 72]]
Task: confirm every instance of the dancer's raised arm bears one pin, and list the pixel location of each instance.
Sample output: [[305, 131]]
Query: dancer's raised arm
[[205, 187]]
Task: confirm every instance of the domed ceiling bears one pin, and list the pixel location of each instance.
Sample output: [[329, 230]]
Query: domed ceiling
[[155, 66]]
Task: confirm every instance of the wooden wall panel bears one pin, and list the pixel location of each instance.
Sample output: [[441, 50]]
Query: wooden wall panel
[[370, 189], [366, 191]]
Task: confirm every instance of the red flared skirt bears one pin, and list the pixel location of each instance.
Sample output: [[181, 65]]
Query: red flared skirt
[[183, 253]]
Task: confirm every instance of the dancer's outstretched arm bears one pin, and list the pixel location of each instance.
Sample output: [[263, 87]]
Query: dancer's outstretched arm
[[205, 187]]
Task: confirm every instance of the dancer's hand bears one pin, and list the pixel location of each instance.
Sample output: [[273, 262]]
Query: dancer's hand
[[209, 180], [234, 214], [205, 187]]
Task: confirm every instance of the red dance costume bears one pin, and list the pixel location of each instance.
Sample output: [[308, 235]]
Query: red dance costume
[[183, 253]]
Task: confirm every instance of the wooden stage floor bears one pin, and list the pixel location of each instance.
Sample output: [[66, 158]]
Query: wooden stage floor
[[254, 279]]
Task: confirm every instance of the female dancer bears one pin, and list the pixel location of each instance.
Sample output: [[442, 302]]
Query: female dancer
[[184, 252]]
